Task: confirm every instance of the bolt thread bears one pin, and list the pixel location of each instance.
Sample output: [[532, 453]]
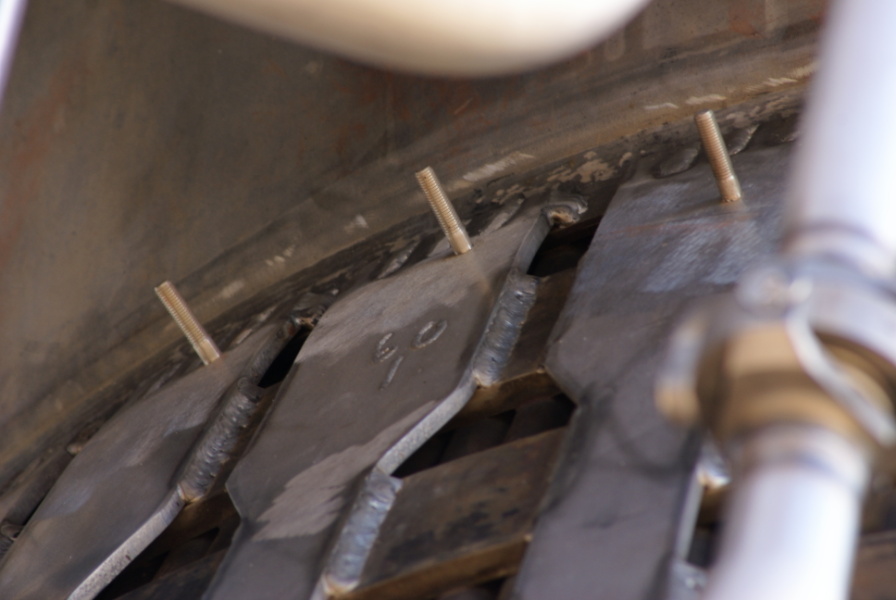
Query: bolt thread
[[200, 340], [445, 213], [718, 156]]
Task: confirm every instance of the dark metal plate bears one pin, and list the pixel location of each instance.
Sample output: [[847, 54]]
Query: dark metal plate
[[117, 482], [384, 369], [612, 523]]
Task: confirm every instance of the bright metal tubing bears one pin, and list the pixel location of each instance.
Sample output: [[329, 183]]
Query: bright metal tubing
[[12, 12], [793, 517], [843, 190]]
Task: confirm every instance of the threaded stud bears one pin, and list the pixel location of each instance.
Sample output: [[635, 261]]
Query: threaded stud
[[445, 213], [718, 156], [202, 343]]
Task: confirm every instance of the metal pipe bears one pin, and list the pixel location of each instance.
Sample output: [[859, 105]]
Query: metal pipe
[[843, 191], [796, 506], [793, 518], [12, 13], [448, 37]]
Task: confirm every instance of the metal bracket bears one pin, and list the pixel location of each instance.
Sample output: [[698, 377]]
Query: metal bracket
[[127, 484], [774, 323], [385, 368]]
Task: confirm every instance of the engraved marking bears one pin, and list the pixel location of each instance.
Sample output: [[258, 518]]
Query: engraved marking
[[391, 374], [383, 351], [429, 333]]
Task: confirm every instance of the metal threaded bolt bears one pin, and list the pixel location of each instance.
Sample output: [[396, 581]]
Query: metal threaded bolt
[[717, 153], [202, 343], [451, 225]]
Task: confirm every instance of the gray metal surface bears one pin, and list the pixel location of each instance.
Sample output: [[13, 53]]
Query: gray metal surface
[[383, 370], [610, 526], [119, 492], [140, 141]]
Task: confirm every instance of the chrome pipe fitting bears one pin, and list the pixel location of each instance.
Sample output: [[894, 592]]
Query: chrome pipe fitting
[[793, 517], [793, 372]]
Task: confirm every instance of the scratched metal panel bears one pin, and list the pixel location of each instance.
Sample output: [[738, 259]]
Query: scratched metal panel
[[612, 518]]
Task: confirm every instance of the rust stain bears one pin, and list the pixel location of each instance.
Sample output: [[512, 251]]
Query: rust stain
[[272, 67], [300, 151], [363, 84], [747, 18], [28, 149], [398, 106], [346, 137]]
